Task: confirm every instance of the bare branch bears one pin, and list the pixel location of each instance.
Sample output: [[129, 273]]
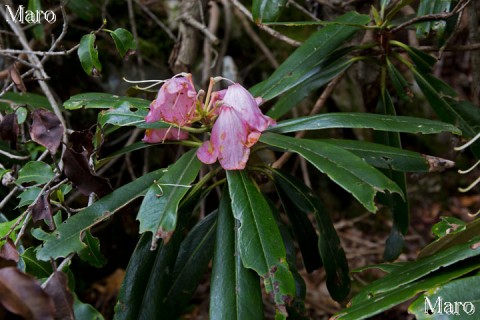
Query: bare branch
[[268, 30]]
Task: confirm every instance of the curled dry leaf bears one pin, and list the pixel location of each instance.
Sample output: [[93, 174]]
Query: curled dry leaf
[[57, 289], [82, 141], [42, 210], [22, 295], [9, 128], [9, 255], [46, 129], [436, 164], [78, 171], [17, 78]]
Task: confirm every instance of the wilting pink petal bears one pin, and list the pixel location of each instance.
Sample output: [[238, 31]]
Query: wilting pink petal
[[160, 135], [175, 103], [228, 141], [207, 153], [246, 105]]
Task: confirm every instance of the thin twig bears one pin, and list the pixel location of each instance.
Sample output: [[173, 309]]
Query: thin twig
[[188, 19], [432, 17], [256, 39], [39, 73], [156, 20], [12, 156], [59, 268], [268, 30], [302, 9]]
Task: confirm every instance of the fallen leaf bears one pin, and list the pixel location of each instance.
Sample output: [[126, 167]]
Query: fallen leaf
[[46, 129], [22, 295], [57, 289], [9, 255]]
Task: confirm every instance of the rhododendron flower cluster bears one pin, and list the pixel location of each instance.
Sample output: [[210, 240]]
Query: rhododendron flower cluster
[[237, 120]]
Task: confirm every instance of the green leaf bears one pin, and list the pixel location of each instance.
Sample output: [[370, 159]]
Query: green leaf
[[148, 275], [6, 225], [417, 269], [295, 201], [427, 7], [472, 229], [234, 290], [445, 109], [399, 206], [401, 85], [259, 240], [363, 120], [22, 114], [88, 55], [35, 171], [315, 79], [193, 258], [35, 267], [37, 30], [98, 100], [28, 196], [34, 100], [331, 251], [91, 253], [123, 41], [384, 157], [68, 236], [267, 10], [84, 311], [448, 225], [308, 55], [158, 212], [122, 116], [343, 167], [462, 290], [387, 300]]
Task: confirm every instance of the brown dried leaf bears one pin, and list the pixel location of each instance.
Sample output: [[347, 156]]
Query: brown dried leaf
[[57, 289], [22, 295], [17, 78], [9, 255], [82, 141], [46, 129], [43, 210], [436, 164], [9, 128], [78, 171]]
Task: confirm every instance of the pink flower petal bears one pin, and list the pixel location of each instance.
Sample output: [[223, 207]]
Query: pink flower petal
[[245, 104], [175, 103], [229, 137], [207, 153]]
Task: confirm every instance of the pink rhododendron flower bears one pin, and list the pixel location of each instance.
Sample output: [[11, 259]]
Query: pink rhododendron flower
[[237, 128], [176, 104]]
